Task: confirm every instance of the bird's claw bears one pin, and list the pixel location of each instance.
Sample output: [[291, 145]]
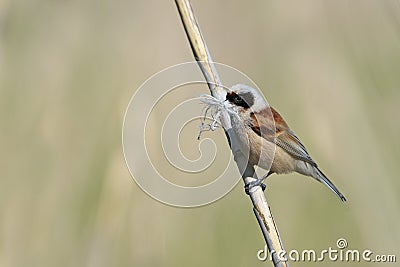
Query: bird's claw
[[258, 182]]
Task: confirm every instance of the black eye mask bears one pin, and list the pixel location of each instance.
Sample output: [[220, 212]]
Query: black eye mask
[[245, 100]]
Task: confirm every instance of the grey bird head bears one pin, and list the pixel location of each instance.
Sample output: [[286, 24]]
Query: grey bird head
[[246, 97]]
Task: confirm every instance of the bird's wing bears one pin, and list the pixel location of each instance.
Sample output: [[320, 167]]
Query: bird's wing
[[270, 125]]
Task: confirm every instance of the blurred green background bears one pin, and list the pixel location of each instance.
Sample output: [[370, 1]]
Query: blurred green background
[[69, 68]]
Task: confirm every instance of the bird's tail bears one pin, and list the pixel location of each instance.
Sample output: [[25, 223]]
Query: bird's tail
[[320, 176]]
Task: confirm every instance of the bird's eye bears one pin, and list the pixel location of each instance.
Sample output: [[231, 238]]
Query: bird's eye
[[237, 99]]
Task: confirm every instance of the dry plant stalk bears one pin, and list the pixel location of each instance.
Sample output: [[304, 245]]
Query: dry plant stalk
[[202, 56]]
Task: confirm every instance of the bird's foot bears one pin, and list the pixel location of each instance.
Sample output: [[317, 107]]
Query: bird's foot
[[258, 182]]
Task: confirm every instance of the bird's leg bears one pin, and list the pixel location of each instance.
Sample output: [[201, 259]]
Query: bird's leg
[[258, 182]]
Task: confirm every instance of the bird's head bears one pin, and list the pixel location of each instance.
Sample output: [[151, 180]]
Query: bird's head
[[246, 98]]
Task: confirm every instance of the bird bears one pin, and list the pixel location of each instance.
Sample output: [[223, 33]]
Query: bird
[[268, 139]]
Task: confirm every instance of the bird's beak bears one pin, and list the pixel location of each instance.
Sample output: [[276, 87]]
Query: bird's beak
[[228, 104]]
